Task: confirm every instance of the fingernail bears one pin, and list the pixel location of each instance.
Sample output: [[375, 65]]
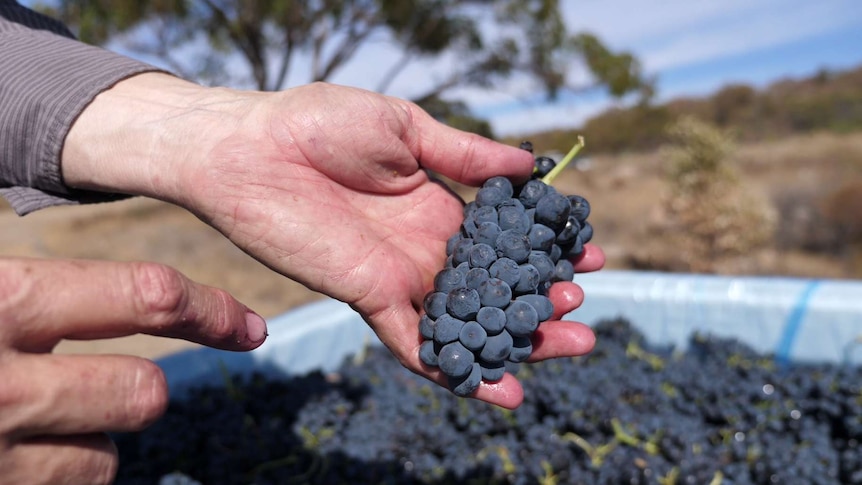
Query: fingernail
[[256, 327]]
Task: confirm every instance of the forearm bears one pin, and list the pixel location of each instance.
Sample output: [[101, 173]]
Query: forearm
[[46, 80], [150, 135]]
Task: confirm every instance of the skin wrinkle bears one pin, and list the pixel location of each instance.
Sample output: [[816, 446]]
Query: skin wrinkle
[[150, 398], [29, 288], [14, 288]]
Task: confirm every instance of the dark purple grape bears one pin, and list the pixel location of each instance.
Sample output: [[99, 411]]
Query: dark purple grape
[[447, 329], [461, 251], [541, 237], [526, 145], [542, 304], [576, 248], [468, 228], [447, 280], [564, 271], [492, 319], [475, 277], [455, 360], [472, 336], [466, 385], [586, 232], [463, 303], [542, 262], [502, 183], [487, 233], [580, 207], [544, 165], [469, 208], [522, 347], [514, 203], [490, 197], [569, 233], [531, 192], [426, 327], [514, 245], [521, 319], [507, 270], [495, 293], [482, 255], [528, 282], [435, 304], [427, 354], [450, 244], [485, 214], [556, 253], [513, 218], [553, 211], [492, 371], [497, 347]]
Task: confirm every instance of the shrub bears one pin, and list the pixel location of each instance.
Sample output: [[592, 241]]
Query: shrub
[[711, 215]]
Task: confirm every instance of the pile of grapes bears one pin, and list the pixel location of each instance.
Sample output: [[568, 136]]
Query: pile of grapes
[[627, 413], [514, 243]]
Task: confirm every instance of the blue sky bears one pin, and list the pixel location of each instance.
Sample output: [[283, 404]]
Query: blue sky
[[692, 47]]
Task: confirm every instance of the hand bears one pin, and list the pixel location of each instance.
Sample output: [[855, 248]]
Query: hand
[[55, 409], [326, 185]]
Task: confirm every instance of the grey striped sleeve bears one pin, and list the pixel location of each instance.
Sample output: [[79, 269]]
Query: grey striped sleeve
[[47, 78]]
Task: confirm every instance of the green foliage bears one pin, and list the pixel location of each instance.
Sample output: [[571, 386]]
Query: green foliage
[[531, 39], [621, 73]]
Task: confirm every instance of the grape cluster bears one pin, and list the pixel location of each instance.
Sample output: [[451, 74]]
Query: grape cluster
[[492, 294], [630, 412]]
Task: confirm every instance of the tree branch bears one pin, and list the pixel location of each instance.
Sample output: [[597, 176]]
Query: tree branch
[[352, 40], [394, 71]]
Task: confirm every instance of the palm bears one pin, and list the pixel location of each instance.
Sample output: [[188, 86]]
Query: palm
[[376, 252]]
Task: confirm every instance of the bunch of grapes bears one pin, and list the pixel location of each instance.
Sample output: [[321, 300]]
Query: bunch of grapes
[[492, 294]]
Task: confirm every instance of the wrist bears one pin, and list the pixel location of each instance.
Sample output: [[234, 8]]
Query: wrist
[[141, 136]]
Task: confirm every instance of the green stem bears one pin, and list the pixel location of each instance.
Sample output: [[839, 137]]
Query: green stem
[[548, 179]]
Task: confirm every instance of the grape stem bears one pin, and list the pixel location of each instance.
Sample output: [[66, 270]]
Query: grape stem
[[548, 179]]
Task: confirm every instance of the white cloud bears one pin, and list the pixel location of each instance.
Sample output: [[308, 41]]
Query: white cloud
[[671, 33]]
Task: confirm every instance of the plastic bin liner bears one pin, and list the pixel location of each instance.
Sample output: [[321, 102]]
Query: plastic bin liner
[[796, 319], [793, 318]]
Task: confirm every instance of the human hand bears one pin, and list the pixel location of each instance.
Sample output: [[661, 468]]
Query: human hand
[[55, 409], [328, 186]]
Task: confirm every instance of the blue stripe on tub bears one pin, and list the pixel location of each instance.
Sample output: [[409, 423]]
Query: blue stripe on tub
[[794, 322]]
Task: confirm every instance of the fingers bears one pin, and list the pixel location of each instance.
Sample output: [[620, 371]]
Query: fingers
[[47, 394], [45, 301], [566, 296], [557, 338], [592, 259], [506, 393], [82, 459], [466, 157]]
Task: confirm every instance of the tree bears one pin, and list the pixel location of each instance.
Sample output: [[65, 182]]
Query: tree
[[492, 40]]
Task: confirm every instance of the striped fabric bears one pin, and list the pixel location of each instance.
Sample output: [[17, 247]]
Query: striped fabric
[[46, 79]]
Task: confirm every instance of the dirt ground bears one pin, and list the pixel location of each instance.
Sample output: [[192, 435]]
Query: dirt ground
[[623, 190]]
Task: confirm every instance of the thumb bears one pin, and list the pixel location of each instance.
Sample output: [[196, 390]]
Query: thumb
[[466, 157]]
